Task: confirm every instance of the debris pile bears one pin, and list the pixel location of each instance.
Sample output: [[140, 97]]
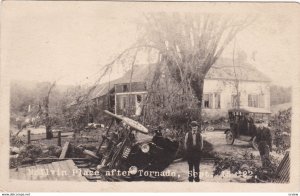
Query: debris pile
[[246, 166], [24, 155]]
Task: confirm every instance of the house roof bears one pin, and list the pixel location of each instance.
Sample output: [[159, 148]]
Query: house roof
[[141, 73], [101, 89], [223, 69]]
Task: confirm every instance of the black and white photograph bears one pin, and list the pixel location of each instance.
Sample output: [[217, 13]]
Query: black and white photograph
[[114, 92]]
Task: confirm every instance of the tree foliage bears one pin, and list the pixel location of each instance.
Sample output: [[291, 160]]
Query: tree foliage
[[188, 45]]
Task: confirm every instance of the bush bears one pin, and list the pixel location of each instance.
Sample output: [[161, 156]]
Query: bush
[[281, 124]]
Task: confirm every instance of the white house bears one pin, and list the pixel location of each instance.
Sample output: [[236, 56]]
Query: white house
[[224, 81]]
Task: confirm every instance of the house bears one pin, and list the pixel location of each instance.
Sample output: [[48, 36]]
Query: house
[[123, 96], [222, 84]]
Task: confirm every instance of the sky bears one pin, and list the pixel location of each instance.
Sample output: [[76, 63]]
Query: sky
[[71, 41]]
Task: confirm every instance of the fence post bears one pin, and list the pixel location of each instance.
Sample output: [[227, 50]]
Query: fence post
[[28, 136], [59, 138]]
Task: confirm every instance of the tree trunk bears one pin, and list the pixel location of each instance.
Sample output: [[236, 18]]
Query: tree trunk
[[197, 84], [49, 134], [48, 123]]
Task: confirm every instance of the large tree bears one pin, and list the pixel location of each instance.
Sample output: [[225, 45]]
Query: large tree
[[189, 44]]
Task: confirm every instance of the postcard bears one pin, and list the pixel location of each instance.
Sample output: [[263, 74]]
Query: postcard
[[149, 96]]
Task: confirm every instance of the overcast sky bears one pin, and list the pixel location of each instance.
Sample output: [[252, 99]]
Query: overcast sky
[[70, 41]]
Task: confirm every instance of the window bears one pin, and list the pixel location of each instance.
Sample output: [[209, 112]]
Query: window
[[123, 102], [211, 100], [255, 100], [139, 98], [207, 100], [217, 100], [125, 88], [138, 105]]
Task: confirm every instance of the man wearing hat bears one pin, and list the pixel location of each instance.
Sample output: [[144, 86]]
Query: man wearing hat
[[193, 145]]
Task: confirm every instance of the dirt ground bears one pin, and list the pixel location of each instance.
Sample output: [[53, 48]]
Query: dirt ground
[[217, 139]]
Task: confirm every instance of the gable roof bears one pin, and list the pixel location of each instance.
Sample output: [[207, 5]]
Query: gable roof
[[223, 69], [101, 89], [141, 73]]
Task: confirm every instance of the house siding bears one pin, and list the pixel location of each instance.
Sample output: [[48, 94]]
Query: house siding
[[226, 88]]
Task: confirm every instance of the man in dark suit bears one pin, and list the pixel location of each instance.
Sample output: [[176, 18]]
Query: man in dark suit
[[264, 141], [193, 144]]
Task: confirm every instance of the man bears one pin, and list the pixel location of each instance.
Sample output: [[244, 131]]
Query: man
[[264, 141], [251, 126], [193, 144]]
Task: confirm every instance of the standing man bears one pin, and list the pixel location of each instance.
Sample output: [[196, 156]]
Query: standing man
[[264, 141], [193, 145]]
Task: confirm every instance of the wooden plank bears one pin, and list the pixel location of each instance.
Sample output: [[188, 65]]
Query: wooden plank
[[72, 167], [47, 171], [64, 150], [58, 159], [86, 171], [43, 138], [36, 176], [58, 171], [64, 165], [65, 171], [51, 175], [74, 176], [44, 172]]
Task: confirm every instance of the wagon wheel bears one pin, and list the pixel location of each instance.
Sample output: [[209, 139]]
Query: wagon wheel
[[254, 143], [229, 137]]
